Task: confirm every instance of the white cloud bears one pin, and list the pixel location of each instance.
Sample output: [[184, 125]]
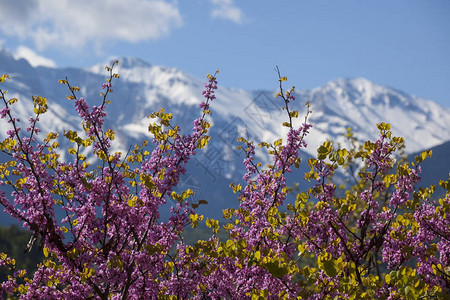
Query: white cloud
[[33, 58], [74, 24], [227, 10]]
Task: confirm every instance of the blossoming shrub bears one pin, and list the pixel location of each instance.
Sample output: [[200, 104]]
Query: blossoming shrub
[[380, 238]]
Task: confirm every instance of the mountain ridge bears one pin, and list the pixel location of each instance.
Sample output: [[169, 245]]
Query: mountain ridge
[[143, 88]]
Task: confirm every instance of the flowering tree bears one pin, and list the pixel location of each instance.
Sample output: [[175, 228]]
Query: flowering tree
[[377, 239]]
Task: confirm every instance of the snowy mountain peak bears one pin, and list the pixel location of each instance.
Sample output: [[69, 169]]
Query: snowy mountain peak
[[139, 71], [360, 104], [352, 88], [133, 62], [125, 63], [143, 88], [357, 83], [361, 91]]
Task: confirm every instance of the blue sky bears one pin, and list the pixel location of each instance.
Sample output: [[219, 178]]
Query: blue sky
[[402, 44]]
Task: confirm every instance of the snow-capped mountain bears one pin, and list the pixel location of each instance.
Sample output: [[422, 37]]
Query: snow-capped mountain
[[356, 103], [144, 88], [359, 104]]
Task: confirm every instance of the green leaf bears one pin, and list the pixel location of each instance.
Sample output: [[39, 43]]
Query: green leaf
[[293, 114], [327, 266], [86, 184], [322, 149], [45, 250], [411, 293], [4, 77], [147, 181], [276, 270]]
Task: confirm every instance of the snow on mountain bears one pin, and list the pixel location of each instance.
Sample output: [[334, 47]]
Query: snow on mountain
[[144, 88], [360, 104], [156, 79]]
